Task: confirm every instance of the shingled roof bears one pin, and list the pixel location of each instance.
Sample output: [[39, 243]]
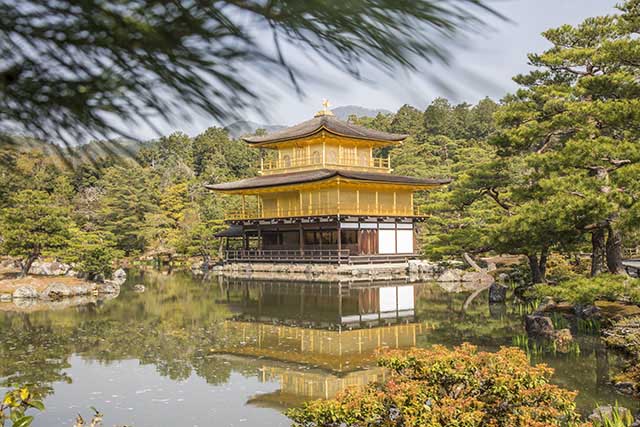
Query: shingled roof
[[331, 124], [321, 175]]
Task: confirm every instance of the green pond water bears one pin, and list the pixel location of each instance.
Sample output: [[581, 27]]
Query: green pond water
[[206, 352]]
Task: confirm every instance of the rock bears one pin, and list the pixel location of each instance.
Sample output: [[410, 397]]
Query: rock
[[56, 291], [118, 277], [451, 275], [547, 304], [625, 387], [539, 326], [139, 288], [5, 297], [503, 277], [53, 268], [25, 292], [108, 288], [605, 414], [84, 289], [72, 273], [497, 293], [589, 312]]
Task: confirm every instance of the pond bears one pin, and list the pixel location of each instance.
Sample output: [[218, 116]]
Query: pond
[[196, 352]]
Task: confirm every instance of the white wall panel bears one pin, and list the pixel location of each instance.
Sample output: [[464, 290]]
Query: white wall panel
[[405, 241], [387, 241]]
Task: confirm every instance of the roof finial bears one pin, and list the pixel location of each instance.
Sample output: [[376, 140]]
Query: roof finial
[[325, 109]]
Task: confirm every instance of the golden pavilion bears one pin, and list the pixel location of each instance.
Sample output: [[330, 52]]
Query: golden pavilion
[[324, 197]]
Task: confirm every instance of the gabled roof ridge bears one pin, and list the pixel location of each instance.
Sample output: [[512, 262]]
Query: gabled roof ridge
[[329, 123]]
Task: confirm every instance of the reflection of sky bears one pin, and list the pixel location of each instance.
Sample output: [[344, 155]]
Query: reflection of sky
[[128, 393], [482, 67]]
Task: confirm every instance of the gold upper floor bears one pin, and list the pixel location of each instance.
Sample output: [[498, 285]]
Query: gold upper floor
[[330, 198], [324, 150]]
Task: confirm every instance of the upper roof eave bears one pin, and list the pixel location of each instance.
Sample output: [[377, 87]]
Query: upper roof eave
[[330, 124], [305, 177]]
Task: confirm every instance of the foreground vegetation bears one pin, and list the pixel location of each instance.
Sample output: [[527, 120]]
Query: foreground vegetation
[[459, 387]]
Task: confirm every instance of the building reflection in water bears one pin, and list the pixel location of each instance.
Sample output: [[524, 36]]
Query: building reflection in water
[[317, 339]]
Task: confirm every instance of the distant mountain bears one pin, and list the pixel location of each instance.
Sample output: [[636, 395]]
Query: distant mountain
[[245, 127], [343, 113]]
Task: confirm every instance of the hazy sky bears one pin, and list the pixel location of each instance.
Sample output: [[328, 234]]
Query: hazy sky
[[483, 67]]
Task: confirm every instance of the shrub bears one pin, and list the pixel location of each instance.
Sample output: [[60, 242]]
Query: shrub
[[561, 268], [92, 253], [440, 387], [14, 405], [587, 290]]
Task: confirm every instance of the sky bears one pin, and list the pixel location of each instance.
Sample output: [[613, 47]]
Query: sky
[[482, 66]]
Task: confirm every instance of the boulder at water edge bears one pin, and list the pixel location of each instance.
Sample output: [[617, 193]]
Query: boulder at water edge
[[539, 326], [56, 291], [497, 293], [25, 292]]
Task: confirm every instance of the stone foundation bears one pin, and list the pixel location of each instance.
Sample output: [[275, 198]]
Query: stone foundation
[[411, 271]]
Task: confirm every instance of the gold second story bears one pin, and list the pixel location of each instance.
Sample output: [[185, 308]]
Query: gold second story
[[325, 192]]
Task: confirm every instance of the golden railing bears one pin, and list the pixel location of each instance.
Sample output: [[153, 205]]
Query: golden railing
[[323, 210], [377, 164]]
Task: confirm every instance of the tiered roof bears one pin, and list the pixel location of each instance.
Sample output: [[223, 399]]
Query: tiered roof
[[329, 123], [304, 177]]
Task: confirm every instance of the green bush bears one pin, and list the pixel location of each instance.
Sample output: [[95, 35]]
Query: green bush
[[587, 290], [14, 405], [92, 253], [441, 387]]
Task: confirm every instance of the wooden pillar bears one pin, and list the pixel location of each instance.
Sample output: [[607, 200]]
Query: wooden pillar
[[301, 237], [412, 211], [338, 201], [324, 151], [300, 200], [339, 241], [259, 237], [377, 205], [395, 210], [243, 207], [358, 202]]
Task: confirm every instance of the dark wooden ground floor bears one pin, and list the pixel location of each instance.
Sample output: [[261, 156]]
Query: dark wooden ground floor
[[322, 240]]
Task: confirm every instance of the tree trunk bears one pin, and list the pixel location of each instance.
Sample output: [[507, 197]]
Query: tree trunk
[[206, 261], [542, 264], [536, 275], [614, 252], [597, 252], [26, 266]]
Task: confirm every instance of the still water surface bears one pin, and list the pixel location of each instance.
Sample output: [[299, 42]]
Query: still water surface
[[190, 352]]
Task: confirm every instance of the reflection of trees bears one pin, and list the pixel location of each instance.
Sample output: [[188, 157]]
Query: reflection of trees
[[172, 326], [32, 355]]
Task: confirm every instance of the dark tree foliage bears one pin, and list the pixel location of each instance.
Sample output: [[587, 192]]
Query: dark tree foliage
[[68, 68]]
